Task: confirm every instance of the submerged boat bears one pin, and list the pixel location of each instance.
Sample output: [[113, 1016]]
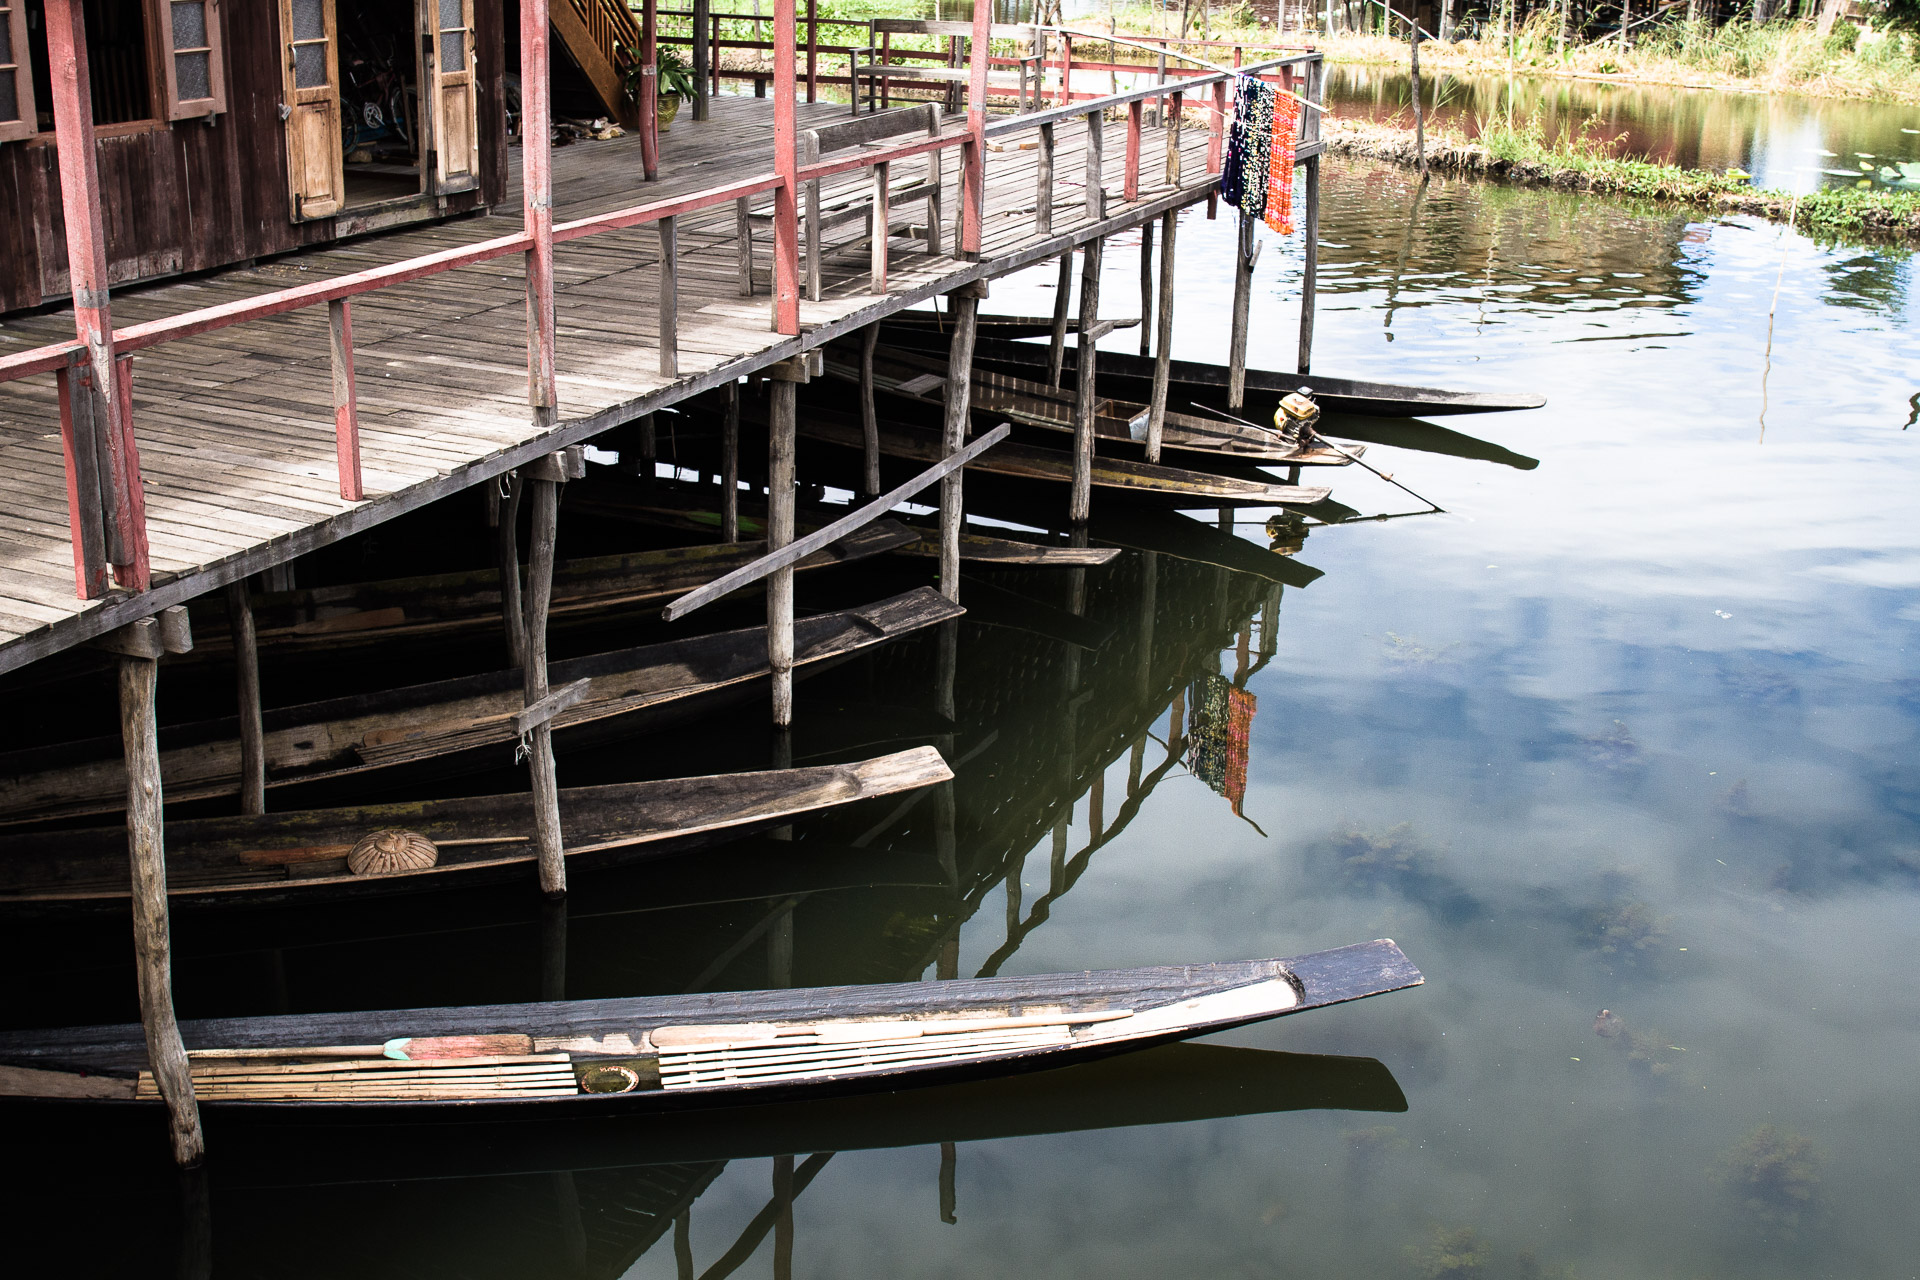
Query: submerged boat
[[446, 717], [709, 1050], [365, 850], [1130, 377]]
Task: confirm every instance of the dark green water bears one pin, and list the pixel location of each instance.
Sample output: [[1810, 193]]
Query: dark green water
[[1630, 727]]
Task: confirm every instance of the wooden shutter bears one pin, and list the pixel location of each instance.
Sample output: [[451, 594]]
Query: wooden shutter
[[452, 91], [194, 58], [16, 73], [311, 108]]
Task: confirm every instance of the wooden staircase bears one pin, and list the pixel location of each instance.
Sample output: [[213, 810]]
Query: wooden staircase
[[601, 35]]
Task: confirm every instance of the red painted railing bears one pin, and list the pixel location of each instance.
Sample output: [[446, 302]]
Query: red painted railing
[[95, 373]]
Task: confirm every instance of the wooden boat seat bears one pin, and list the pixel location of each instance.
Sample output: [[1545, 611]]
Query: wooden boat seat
[[853, 206]]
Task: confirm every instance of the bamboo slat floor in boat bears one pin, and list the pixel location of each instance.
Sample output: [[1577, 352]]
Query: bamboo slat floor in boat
[[235, 427]]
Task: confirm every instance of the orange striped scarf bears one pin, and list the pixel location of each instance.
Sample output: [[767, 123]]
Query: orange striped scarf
[[1286, 128]]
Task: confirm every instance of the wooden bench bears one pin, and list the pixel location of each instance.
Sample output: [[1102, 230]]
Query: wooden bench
[[878, 71], [820, 216]]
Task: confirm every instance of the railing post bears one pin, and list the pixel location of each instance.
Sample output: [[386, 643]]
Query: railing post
[[881, 215], [1066, 70], [1173, 141], [649, 89], [79, 439], [973, 193], [346, 406], [669, 299], [536, 160], [105, 420], [1043, 186], [703, 59], [786, 210], [1130, 187], [1096, 146], [1216, 126], [813, 50]]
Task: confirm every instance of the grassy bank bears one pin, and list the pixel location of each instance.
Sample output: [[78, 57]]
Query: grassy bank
[[1776, 57], [1519, 152]]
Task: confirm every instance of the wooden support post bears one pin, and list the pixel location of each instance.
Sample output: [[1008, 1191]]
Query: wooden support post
[[1149, 612], [1043, 185], [346, 406], [669, 299], [1270, 622], [1130, 173], [649, 89], [146, 843], [964, 308], [545, 511], [1246, 252], [82, 450], [1419, 107], [730, 467], [1062, 299], [1163, 337], [780, 528], [507, 553], [683, 1245], [877, 271], [783, 1211], [1310, 225], [703, 59], [1146, 288], [1081, 502], [869, 414], [786, 163], [1096, 146], [246, 664], [536, 165], [107, 417], [743, 237], [949, 1179]]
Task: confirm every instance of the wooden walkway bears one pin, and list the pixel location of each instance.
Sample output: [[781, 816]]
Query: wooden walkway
[[235, 427]]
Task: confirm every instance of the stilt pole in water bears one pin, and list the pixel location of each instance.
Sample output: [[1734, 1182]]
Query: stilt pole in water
[[1081, 503], [1062, 299], [730, 467], [1163, 339], [1310, 227], [1419, 107], [246, 665], [1146, 289], [508, 549], [963, 306], [1246, 253], [869, 416], [543, 480], [780, 522], [140, 646]]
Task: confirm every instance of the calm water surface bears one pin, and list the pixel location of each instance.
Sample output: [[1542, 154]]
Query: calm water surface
[[1630, 727], [1786, 142]]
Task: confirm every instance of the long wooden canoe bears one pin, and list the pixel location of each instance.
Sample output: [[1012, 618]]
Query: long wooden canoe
[[676, 506], [709, 1050], [419, 722], [1130, 377], [1117, 477], [302, 855], [987, 326], [449, 603], [1120, 425]]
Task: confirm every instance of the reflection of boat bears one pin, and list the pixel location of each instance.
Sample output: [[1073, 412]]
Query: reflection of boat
[[1130, 377], [1171, 1084], [714, 1049], [1422, 437], [304, 855], [436, 720]]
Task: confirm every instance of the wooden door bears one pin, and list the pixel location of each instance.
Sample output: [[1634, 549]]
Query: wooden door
[[311, 107], [452, 89]]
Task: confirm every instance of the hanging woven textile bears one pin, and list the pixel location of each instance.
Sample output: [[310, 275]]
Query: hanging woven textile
[[1208, 730], [1240, 708], [1243, 175], [1286, 130]]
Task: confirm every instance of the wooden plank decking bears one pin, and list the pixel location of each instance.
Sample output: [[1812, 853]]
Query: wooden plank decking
[[235, 427]]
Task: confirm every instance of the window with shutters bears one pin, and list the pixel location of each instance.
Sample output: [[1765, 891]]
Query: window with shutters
[[195, 64], [17, 117]]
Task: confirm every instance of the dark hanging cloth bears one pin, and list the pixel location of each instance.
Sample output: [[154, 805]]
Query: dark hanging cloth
[[1243, 177]]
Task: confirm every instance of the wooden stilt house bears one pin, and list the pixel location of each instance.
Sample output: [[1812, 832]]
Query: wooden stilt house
[[228, 130]]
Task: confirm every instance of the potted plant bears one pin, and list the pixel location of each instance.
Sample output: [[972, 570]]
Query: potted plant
[[673, 82]]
